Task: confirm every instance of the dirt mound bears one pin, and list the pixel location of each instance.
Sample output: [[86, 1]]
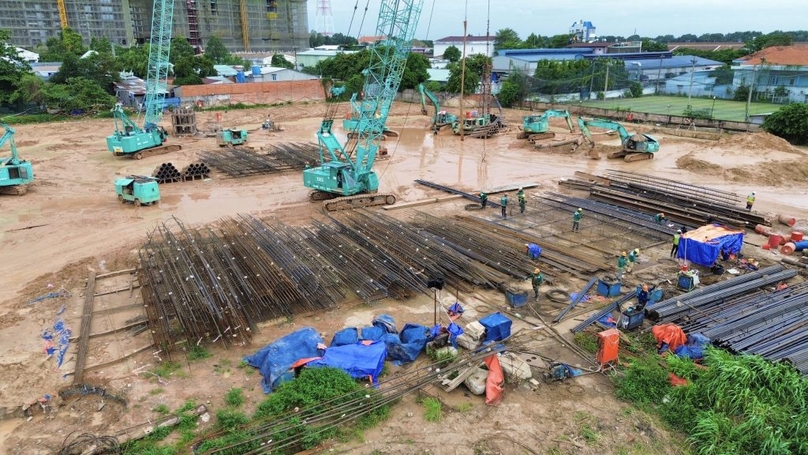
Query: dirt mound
[[697, 166], [455, 102], [760, 140], [772, 174]]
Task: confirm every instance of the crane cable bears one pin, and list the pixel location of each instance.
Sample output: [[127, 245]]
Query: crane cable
[[356, 5], [429, 24], [359, 33]]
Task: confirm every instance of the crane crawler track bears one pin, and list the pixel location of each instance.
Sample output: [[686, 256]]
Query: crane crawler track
[[359, 201], [16, 190]]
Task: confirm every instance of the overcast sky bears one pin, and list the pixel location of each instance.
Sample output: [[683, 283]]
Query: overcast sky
[[620, 17]]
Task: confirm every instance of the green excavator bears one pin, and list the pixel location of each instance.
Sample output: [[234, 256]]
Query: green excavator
[[440, 118], [635, 146], [15, 174], [535, 127]]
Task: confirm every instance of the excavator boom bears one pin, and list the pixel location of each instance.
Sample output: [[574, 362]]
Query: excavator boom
[[635, 147], [535, 126], [15, 174]]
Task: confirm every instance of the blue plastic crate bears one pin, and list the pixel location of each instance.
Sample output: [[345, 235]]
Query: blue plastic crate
[[516, 299], [607, 289]]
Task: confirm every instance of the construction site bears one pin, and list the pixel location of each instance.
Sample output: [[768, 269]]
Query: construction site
[[352, 277]]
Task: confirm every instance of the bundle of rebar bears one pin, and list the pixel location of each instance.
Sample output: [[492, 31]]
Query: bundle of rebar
[[701, 301], [195, 171], [243, 162], [771, 324], [167, 173], [681, 202]]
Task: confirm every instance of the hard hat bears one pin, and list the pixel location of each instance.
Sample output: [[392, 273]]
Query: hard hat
[[662, 214], [678, 231], [580, 209], [527, 245], [636, 251], [624, 253], [536, 270], [644, 287], [753, 193], [520, 188]]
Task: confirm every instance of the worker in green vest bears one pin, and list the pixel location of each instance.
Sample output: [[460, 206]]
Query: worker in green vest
[[536, 279], [660, 218], [483, 199], [750, 200], [675, 246], [522, 200], [633, 256], [622, 261], [520, 194], [503, 201], [576, 219]]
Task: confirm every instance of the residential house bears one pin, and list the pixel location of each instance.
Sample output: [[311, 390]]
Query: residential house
[[276, 74], [312, 57], [526, 60], [483, 45], [583, 31], [130, 90], [369, 40], [439, 75], [779, 72], [45, 69], [28, 56]]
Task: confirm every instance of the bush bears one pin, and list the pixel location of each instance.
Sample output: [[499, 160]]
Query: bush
[[234, 397], [790, 122]]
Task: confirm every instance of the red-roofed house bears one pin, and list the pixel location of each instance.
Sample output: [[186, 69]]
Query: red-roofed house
[[474, 45], [777, 73], [368, 40]]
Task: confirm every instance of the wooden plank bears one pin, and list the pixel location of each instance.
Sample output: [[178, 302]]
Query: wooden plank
[[84, 332], [115, 291], [115, 273], [115, 330], [100, 366]]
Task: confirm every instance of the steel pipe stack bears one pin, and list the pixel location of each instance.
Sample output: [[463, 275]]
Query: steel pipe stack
[[194, 171], [167, 173]]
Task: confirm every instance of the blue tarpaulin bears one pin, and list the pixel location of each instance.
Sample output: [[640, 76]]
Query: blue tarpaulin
[[385, 322], [275, 359], [406, 346], [345, 336], [703, 245], [533, 250], [358, 360]]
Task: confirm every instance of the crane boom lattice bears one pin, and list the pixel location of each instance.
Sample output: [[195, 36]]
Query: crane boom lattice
[[159, 53]]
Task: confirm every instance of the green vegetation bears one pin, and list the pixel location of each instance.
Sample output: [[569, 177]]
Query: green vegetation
[[234, 397], [790, 123], [347, 68], [198, 353], [152, 444], [737, 404], [677, 105], [587, 341], [166, 369], [475, 67], [161, 409], [432, 409]]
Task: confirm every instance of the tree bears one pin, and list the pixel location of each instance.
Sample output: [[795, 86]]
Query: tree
[[134, 59], [100, 68], [777, 38], [452, 54], [475, 66], [533, 41], [30, 89], [514, 89], [649, 45], [101, 45], [12, 68], [78, 94], [790, 123], [216, 51], [180, 49], [68, 42], [279, 61], [723, 75], [191, 70], [507, 38], [415, 71], [559, 41]]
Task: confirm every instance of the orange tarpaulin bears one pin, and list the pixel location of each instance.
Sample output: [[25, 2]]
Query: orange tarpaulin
[[669, 333], [494, 382]]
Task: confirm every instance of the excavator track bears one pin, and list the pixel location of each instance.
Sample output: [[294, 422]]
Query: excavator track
[[358, 201], [540, 137], [617, 155], [162, 150], [16, 190], [631, 157]]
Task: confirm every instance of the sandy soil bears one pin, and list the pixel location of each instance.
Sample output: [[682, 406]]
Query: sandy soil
[[70, 223]]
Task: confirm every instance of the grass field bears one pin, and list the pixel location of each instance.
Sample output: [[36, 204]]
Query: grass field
[[676, 105]]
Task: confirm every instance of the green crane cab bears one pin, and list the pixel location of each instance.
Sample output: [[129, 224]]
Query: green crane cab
[[139, 190], [231, 137], [15, 174]]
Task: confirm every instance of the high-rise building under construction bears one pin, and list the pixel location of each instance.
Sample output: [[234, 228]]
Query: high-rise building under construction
[[243, 25]]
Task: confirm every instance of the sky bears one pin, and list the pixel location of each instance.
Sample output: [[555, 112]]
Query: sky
[[617, 17]]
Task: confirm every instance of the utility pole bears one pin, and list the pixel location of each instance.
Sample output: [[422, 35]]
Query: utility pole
[[692, 70], [463, 85], [606, 83], [749, 97]]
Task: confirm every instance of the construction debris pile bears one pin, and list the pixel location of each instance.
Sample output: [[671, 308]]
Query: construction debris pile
[[753, 313], [680, 202], [167, 173], [217, 283], [244, 162]]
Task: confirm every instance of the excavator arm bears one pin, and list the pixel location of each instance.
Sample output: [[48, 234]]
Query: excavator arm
[[8, 136], [421, 90], [565, 114]]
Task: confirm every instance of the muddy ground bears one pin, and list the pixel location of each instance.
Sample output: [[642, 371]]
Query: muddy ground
[[71, 223]]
